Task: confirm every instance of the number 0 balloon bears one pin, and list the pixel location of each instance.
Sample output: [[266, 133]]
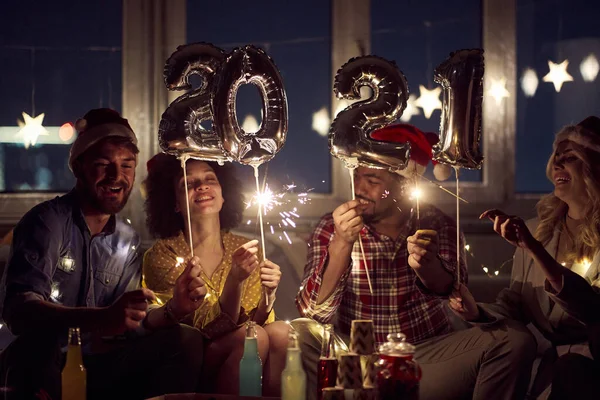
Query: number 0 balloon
[[250, 65]]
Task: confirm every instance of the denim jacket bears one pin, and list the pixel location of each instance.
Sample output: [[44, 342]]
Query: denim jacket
[[54, 258]]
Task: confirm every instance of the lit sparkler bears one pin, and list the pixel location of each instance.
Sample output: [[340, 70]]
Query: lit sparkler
[[282, 202]]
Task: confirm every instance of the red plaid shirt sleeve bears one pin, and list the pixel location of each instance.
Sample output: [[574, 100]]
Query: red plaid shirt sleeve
[[318, 256]]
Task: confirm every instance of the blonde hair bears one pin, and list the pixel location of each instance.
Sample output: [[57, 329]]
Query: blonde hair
[[552, 211]]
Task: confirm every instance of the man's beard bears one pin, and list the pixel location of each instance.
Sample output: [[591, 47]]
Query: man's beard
[[104, 205]]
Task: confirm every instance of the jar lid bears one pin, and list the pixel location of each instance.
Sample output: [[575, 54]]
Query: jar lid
[[396, 345]]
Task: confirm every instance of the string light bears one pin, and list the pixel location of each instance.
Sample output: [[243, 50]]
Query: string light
[[485, 268], [589, 68], [250, 124], [529, 82], [321, 121]]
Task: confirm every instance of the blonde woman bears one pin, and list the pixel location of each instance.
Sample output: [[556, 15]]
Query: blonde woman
[[230, 265], [554, 282]]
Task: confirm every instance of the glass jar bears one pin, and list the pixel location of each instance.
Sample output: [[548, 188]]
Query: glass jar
[[398, 373]]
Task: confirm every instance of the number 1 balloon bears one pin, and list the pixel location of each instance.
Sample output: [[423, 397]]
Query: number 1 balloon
[[461, 77]]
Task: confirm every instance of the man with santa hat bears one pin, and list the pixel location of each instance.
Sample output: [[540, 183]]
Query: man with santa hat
[[412, 265]]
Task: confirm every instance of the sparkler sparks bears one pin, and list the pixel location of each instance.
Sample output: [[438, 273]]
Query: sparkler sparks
[[416, 194], [281, 202]]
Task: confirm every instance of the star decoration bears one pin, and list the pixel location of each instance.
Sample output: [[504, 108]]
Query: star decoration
[[589, 68], [31, 129], [529, 82], [498, 90], [558, 74], [411, 109], [429, 100], [250, 124], [321, 122]]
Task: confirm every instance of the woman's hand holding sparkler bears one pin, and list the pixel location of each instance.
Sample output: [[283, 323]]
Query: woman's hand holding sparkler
[[270, 276]]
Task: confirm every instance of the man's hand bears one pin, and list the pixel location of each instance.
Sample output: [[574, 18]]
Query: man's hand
[[270, 276], [244, 261], [463, 304], [422, 249], [189, 290], [348, 220], [127, 312]]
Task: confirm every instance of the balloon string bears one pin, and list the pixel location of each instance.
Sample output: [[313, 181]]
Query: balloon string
[[418, 195], [456, 169], [260, 218], [184, 158], [362, 250]]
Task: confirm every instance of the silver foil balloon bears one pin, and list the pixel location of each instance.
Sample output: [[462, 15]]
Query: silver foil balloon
[[250, 65], [180, 130], [461, 77], [349, 134]]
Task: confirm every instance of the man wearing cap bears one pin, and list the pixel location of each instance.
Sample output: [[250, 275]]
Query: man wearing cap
[[412, 266], [75, 263]]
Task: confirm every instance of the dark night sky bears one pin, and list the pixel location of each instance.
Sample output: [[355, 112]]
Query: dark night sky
[[70, 78]]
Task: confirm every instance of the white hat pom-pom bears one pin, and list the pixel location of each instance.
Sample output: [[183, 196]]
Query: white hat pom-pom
[[442, 171], [80, 124]]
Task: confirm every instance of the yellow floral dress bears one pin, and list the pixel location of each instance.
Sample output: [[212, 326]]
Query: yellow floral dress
[[166, 260]]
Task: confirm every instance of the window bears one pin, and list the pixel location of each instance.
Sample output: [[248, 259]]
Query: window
[[60, 68], [418, 36], [297, 37], [552, 31]]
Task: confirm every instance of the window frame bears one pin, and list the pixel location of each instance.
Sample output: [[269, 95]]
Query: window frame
[[350, 37]]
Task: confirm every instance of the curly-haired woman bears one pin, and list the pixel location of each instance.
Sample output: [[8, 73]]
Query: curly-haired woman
[[230, 264], [555, 282]]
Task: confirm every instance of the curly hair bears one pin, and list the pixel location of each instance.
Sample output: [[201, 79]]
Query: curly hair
[[162, 219], [552, 211]]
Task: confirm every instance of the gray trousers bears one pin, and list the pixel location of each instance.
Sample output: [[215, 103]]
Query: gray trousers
[[482, 363]]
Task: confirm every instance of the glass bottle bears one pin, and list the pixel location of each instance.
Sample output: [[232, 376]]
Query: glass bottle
[[328, 363], [293, 377], [74, 375], [251, 364]]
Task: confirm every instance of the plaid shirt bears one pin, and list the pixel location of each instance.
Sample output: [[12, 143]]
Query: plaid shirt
[[400, 302]]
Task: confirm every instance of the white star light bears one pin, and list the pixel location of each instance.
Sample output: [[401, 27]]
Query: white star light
[[320, 121], [31, 129], [558, 74], [411, 109], [498, 90], [589, 68], [529, 82], [429, 100]]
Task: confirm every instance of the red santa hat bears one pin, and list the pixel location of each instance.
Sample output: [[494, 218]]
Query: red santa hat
[[420, 149]]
